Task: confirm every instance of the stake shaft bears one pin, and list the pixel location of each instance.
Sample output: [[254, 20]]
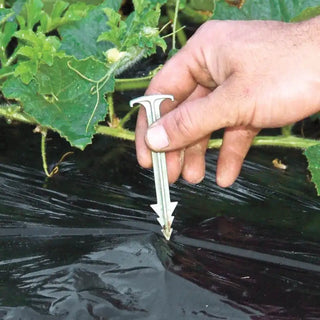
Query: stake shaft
[[164, 207]]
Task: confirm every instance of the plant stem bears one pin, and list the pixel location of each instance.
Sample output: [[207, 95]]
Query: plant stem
[[12, 114], [43, 152], [132, 83], [182, 38], [3, 56], [174, 27], [12, 58], [136, 83], [5, 75], [274, 141], [116, 132], [282, 141], [287, 130], [110, 107], [127, 117]]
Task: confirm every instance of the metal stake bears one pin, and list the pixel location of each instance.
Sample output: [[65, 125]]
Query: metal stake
[[164, 207]]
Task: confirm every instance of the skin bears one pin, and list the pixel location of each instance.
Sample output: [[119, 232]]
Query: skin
[[238, 75]]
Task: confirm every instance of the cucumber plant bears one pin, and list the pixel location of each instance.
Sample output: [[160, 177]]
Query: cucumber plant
[[61, 61]]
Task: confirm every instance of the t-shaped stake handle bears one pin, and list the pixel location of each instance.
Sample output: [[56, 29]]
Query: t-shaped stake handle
[[164, 207]]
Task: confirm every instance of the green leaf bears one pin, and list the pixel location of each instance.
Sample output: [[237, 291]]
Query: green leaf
[[139, 5], [5, 73], [7, 30], [306, 14], [49, 4], [62, 14], [7, 33], [162, 2], [58, 8], [263, 10], [117, 28], [5, 14], [26, 70], [6, 70], [313, 156], [203, 5], [138, 35], [18, 5], [32, 12], [61, 99], [39, 48], [26, 51], [50, 21], [80, 38]]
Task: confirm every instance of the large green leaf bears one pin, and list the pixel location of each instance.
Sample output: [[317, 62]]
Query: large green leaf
[[313, 156], [80, 38], [62, 99], [283, 10]]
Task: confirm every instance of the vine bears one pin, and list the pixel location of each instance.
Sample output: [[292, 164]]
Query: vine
[[57, 78], [55, 169]]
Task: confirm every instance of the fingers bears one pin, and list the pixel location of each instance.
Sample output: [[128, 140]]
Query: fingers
[[226, 106], [194, 166], [174, 158], [189, 161], [174, 161], [143, 152], [175, 78], [235, 146]]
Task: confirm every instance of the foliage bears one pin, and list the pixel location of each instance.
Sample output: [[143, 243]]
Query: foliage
[[60, 60], [265, 10], [37, 49], [55, 104], [75, 40], [58, 70], [313, 155], [142, 22], [307, 13]]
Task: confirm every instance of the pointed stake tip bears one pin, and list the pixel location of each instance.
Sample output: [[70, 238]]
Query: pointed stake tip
[[167, 233]]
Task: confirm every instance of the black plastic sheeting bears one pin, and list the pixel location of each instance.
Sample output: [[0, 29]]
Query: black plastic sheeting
[[86, 245]]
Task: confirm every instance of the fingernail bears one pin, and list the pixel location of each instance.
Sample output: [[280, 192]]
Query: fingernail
[[157, 137]]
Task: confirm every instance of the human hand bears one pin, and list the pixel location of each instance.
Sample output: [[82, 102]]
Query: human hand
[[239, 75]]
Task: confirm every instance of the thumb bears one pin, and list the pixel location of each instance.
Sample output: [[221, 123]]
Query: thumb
[[192, 120]]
